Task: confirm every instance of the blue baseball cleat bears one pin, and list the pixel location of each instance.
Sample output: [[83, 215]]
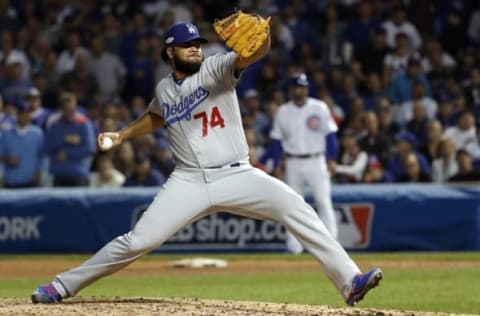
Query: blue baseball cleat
[[362, 283], [46, 294]]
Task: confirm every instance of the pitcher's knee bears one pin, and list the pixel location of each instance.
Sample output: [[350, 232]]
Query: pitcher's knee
[[135, 244], [289, 204]]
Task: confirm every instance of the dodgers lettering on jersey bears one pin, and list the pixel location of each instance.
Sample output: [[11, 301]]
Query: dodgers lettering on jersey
[[202, 115], [183, 110], [306, 133]]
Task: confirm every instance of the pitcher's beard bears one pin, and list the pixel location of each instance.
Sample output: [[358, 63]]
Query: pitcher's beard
[[188, 68]]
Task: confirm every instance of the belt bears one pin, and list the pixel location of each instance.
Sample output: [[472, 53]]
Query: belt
[[235, 164], [303, 156]]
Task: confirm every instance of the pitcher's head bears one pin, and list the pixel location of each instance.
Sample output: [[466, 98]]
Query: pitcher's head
[[183, 47]]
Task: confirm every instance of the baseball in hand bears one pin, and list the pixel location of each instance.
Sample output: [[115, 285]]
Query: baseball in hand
[[107, 143]]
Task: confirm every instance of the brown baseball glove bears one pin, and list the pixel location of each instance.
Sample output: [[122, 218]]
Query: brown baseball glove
[[244, 33]]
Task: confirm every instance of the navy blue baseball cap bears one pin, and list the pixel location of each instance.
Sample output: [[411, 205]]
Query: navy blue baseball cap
[[299, 80], [23, 106], [406, 137], [180, 33]]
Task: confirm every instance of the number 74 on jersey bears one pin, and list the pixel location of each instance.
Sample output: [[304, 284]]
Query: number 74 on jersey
[[213, 120]]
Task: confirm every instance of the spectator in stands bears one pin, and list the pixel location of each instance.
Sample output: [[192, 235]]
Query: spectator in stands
[[252, 106], [68, 57], [374, 91], [431, 147], [472, 88], [70, 144], [445, 166], [106, 176], [124, 160], [140, 29], [108, 70], [299, 28], [349, 94], [8, 51], [38, 53], [405, 144], [436, 59], [160, 68], [359, 30], [454, 24], [143, 173], [384, 112], [354, 119], [400, 89], [80, 80], [267, 79], [332, 43], [464, 134], [375, 172], [399, 24], [140, 72], [179, 11], [14, 87], [412, 170], [112, 33], [22, 148], [6, 121], [406, 109], [419, 122], [353, 160], [48, 90], [39, 114], [144, 144], [214, 45], [397, 60], [282, 38], [162, 157], [466, 172], [446, 115], [466, 63], [370, 55], [375, 142], [474, 27]]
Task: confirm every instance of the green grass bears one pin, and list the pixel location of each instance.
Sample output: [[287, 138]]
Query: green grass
[[442, 289]]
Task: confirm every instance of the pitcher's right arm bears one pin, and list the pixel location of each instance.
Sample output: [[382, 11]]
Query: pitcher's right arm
[[147, 123]]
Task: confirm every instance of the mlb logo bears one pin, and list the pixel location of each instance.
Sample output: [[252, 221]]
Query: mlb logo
[[354, 224]]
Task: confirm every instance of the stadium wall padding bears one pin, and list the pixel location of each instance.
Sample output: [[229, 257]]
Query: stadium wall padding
[[386, 217]]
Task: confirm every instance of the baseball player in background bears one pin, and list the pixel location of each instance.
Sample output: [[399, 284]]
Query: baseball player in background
[[305, 132], [198, 105]]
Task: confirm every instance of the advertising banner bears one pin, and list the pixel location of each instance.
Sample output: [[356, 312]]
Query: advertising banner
[[370, 218]]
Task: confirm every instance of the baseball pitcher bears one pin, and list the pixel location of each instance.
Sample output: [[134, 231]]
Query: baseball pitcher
[[198, 105]]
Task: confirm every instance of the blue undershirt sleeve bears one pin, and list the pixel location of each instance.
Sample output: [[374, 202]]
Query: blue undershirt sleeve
[[332, 146]]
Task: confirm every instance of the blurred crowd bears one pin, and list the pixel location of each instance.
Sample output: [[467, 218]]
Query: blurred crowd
[[402, 80]]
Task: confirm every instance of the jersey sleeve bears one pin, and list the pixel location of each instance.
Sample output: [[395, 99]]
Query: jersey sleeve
[[155, 104], [222, 68], [154, 107], [330, 126]]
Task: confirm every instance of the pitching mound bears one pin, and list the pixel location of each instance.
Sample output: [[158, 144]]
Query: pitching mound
[[179, 306]]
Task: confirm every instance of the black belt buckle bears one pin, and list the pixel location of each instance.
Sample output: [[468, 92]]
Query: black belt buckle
[[235, 164], [304, 156]]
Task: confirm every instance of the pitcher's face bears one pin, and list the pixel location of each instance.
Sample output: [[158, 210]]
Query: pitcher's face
[[188, 57]]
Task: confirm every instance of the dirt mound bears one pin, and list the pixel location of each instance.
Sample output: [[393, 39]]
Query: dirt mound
[[183, 306]]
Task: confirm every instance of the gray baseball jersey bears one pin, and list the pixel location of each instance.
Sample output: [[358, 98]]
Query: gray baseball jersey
[[202, 115]]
